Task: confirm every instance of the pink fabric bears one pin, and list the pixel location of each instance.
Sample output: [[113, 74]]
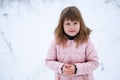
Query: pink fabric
[[84, 57]]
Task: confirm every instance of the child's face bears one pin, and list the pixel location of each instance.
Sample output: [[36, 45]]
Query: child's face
[[71, 27]]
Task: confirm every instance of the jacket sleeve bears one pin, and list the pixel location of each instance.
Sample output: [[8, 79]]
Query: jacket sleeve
[[51, 59], [91, 61]]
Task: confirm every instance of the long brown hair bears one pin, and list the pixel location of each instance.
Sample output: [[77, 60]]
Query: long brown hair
[[71, 13]]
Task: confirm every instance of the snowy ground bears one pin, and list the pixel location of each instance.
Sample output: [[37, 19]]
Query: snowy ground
[[26, 31]]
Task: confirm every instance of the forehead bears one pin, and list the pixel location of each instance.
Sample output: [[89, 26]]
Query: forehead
[[70, 20]]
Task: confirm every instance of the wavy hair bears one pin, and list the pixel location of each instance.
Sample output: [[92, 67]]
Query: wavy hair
[[71, 13]]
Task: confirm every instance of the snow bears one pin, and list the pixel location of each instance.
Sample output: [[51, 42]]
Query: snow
[[26, 32]]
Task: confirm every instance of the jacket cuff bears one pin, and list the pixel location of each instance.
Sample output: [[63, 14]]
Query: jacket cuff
[[60, 68], [75, 68]]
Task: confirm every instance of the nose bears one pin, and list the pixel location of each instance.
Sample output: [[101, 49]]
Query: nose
[[72, 26]]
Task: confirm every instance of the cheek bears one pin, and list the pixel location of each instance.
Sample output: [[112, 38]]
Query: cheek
[[78, 29], [65, 29]]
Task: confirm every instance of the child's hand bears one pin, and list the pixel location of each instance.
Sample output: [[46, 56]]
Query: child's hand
[[68, 69]]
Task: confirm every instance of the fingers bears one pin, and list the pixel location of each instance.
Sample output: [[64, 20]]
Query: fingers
[[67, 72], [68, 69]]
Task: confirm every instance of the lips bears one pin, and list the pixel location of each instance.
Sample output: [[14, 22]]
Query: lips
[[72, 30]]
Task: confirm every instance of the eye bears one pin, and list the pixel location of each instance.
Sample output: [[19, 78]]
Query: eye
[[67, 23], [75, 22]]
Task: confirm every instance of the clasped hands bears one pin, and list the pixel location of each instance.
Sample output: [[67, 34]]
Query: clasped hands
[[68, 69]]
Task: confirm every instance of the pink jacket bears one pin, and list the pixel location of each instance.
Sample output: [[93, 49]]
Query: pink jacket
[[84, 57]]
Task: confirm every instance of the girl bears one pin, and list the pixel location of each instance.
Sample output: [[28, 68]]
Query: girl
[[72, 54]]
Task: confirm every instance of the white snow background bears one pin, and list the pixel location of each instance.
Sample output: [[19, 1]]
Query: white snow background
[[27, 29]]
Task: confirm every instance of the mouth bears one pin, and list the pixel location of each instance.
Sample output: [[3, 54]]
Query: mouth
[[72, 31]]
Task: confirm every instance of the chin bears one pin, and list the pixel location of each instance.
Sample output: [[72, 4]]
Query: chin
[[72, 35]]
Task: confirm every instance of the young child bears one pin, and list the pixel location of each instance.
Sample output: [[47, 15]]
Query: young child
[[72, 54]]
